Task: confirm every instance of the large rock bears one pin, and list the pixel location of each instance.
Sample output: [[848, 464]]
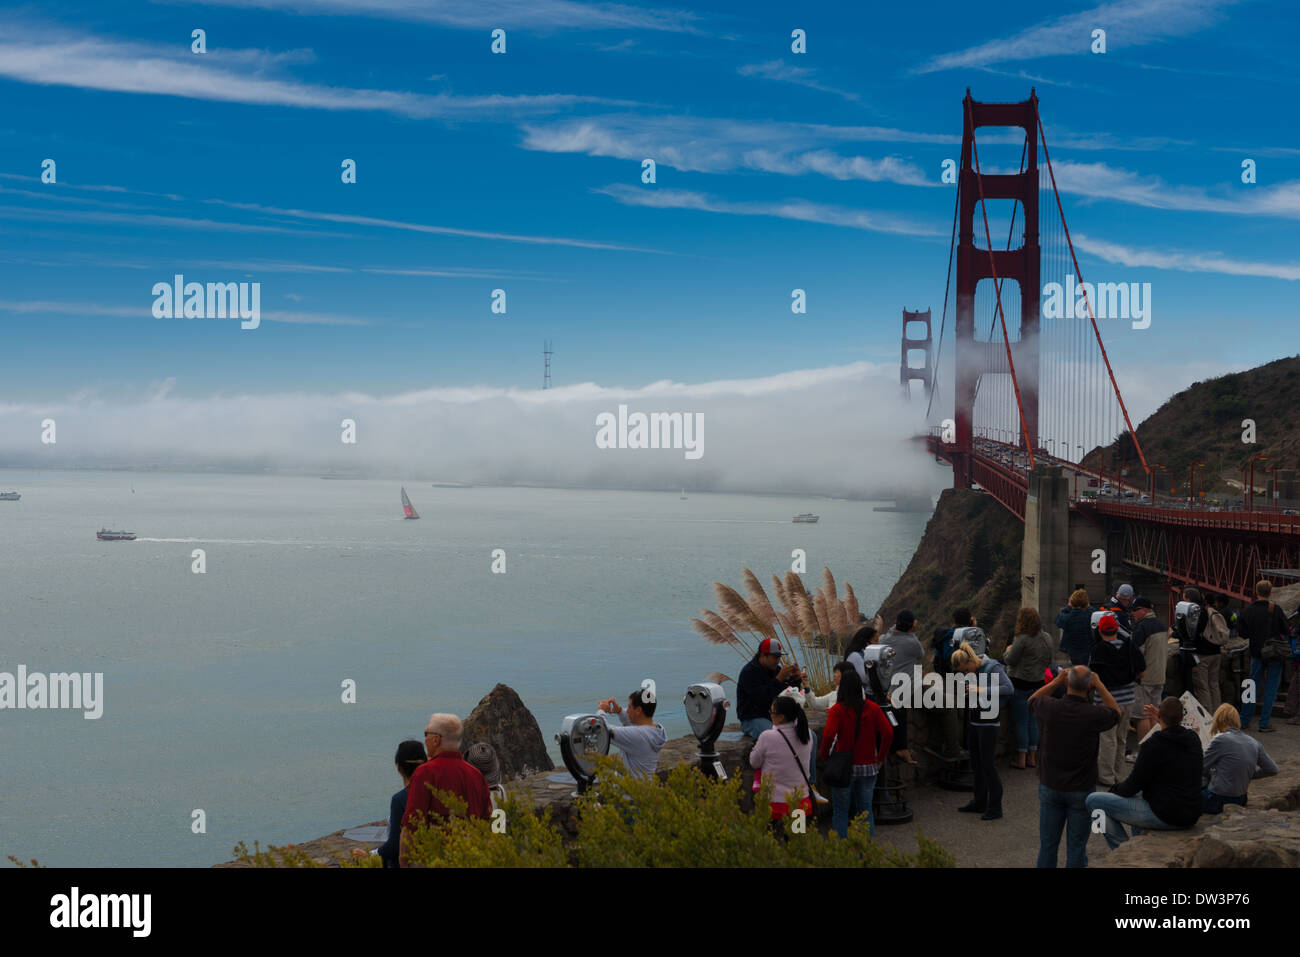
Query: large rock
[[502, 721], [1265, 834]]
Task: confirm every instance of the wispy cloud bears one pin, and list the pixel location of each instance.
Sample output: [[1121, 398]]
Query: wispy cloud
[[1128, 23], [537, 15], [237, 77], [781, 72], [796, 209], [154, 220], [145, 311], [1184, 261], [704, 145], [1099, 181], [381, 223]]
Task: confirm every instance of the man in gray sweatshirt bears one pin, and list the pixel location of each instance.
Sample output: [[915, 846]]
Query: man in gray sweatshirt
[[907, 652]]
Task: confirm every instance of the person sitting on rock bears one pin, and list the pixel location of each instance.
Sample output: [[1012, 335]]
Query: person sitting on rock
[[1231, 762], [640, 739], [1163, 792]]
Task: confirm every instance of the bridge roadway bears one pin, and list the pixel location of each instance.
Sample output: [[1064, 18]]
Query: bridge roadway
[[1223, 551]]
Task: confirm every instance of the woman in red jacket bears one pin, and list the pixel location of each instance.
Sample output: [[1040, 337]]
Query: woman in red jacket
[[855, 723]]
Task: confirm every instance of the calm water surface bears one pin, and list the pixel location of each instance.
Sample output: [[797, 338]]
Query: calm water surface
[[222, 690]]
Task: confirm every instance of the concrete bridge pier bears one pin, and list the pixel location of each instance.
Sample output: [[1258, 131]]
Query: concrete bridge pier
[[1060, 548]]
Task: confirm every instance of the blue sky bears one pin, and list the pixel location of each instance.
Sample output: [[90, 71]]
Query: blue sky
[[522, 171]]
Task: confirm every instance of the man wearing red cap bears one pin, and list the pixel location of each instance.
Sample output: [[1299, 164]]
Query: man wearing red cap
[[760, 681], [1119, 665]]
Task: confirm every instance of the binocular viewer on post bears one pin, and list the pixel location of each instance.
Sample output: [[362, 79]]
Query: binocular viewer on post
[[582, 737]]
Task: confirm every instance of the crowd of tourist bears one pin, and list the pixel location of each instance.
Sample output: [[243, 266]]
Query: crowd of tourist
[[1073, 702]]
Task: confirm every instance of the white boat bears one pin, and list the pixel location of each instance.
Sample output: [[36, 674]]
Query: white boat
[[806, 518], [407, 507], [683, 495], [14, 496]]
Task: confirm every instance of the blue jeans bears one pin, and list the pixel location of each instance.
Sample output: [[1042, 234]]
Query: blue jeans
[[1266, 675], [1057, 811], [1214, 802], [755, 726], [1119, 811], [1025, 723], [849, 802]]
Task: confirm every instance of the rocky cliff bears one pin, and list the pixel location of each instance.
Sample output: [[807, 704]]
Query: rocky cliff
[[969, 556]]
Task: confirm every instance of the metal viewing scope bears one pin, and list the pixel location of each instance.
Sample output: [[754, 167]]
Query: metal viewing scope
[[580, 737], [706, 710], [879, 663]]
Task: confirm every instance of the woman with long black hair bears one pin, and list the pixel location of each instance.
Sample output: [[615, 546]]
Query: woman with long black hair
[[781, 754], [855, 725]]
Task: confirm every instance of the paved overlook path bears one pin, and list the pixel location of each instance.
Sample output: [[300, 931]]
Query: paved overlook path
[[1013, 841]]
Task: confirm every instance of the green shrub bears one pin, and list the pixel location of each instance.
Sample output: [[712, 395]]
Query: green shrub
[[693, 821], [527, 841], [687, 820]]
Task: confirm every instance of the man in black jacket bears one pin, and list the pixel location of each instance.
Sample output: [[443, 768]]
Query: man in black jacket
[[760, 681], [1164, 791]]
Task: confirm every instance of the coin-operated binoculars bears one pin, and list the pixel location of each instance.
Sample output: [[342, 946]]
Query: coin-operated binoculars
[[889, 805], [879, 661], [582, 737], [706, 709]]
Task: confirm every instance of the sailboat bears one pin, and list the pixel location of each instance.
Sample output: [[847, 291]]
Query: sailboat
[[683, 495], [407, 507]]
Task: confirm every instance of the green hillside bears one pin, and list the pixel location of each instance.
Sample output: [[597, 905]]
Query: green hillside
[[1203, 423]]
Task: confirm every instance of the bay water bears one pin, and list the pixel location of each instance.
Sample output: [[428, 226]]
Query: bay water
[[223, 690]]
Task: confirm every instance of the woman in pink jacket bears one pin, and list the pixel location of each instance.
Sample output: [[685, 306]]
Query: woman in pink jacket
[[781, 754]]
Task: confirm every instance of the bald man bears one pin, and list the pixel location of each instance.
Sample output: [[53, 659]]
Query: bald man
[[1070, 729]]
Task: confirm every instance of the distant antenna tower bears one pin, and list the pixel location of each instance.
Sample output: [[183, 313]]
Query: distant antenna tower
[[546, 357]]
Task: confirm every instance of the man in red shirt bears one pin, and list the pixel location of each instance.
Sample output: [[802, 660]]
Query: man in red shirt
[[446, 770]]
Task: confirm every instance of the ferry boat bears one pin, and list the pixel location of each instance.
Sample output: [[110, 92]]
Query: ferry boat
[[9, 496], [806, 518], [407, 508], [104, 535]]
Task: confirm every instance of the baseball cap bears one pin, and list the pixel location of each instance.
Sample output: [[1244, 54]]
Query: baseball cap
[[770, 646], [1107, 624], [1141, 601], [1125, 591], [906, 620]]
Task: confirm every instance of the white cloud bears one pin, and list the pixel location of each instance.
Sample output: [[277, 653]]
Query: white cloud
[[797, 209], [33, 307], [1128, 23], [706, 145], [781, 72], [839, 430], [1102, 182], [425, 227], [1184, 261], [235, 77], [488, 14]]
